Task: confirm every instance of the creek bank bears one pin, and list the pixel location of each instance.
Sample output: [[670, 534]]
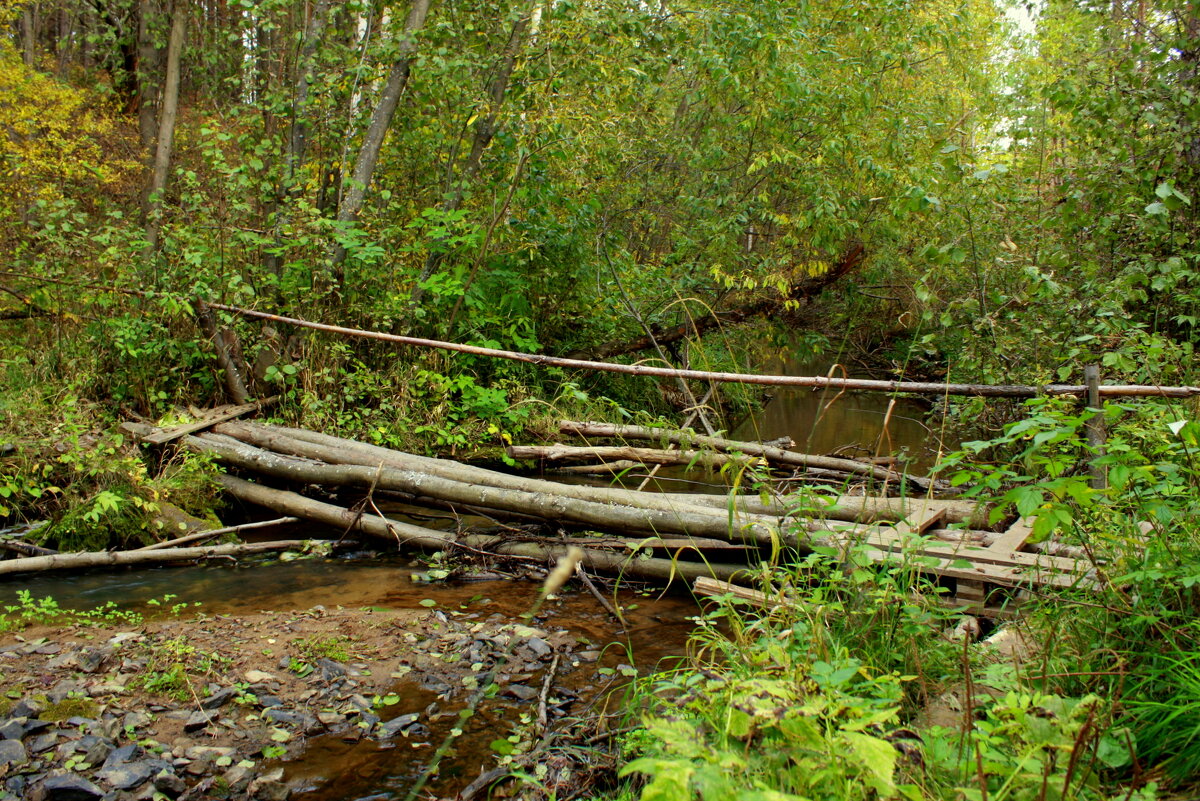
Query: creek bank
[[226, 706]]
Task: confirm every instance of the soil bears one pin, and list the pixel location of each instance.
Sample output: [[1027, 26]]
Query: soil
[[273, 705]]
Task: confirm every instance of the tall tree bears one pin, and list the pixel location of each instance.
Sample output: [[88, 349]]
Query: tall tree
[[166, 127], [381, 119]]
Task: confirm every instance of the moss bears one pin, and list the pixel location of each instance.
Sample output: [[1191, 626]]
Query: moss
[[70, 708], [6, 704]]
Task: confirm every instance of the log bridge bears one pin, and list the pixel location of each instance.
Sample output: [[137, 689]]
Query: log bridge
[[655, 536]]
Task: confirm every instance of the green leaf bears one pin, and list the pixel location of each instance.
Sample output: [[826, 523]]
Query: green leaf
[[878, 757], [501, 747], [1156, 208], [428, 603]]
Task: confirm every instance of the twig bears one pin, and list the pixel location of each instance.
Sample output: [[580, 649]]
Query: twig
[[216, 532], [546, 682], [587, 582]]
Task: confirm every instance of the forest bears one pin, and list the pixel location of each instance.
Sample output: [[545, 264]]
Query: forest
[[941, 191]]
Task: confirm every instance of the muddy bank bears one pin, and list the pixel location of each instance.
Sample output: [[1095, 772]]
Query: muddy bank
[[325, 703]]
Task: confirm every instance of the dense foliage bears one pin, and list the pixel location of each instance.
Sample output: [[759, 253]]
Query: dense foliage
[[946, 188]]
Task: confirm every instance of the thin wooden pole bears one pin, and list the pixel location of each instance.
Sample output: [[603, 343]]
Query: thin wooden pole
[[813, 382], [1095, 426]]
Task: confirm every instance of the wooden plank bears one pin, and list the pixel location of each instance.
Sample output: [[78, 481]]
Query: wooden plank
[[220, 414], [995, 574], [1013, 539], [926, 519], [977, 554]]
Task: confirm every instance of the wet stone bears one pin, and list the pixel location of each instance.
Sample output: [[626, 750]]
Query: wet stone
[[27, 708], [331, 670], [395, 726], [12, 752], [219, 698], [13, 729], [539, 646], [69, 787], [521, 691], [169, 784], [197, 721]]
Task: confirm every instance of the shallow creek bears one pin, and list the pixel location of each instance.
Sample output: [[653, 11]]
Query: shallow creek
[[330, 768]]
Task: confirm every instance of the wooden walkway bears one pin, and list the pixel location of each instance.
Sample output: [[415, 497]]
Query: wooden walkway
[[986, 578]]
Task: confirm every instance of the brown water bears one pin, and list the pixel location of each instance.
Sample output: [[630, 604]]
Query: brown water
[[333, 770], [853, 424]]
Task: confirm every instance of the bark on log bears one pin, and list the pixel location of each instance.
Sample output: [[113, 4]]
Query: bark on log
[[75, 561], [812, 382], [570, 453], [851, 508], [702, 523], [335, 450], [217, 532], [774, 456], [290, 503]]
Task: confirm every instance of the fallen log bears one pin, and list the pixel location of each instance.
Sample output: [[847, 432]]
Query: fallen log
[[217, 532], [570, 453], [851, 508], [290, 503], [335, 450], [815, 382], [75, 561], [555, 507], [774, 456]]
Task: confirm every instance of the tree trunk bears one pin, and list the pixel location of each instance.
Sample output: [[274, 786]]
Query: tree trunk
[[547, 506], [225, 359], [78, 561], [485, 131], [297, 142], [381, 120], [166, 129], [29, 35], [149, 63], [403, 534], [333, 450]]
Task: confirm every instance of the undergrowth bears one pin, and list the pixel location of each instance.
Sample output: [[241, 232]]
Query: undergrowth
[[829, 693]]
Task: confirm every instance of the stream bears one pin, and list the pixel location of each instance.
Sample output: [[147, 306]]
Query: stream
[[331, 769]]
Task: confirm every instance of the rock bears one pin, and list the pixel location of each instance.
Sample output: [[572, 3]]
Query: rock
[[539, 646], [59, 692], [89, 659], [258, 676], [268, 701], [137, 720], [69, 787], [43, 743], [12, 752], [27, 708], [219, 698], [396, 725], [169, 784], [238, 778], [330, 718], [521, 691], [209, 752], [98, 751], [123, 637], [197, 721], [331, 670], [128, 775], [269, 787], [587, 656], [13, 728]]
